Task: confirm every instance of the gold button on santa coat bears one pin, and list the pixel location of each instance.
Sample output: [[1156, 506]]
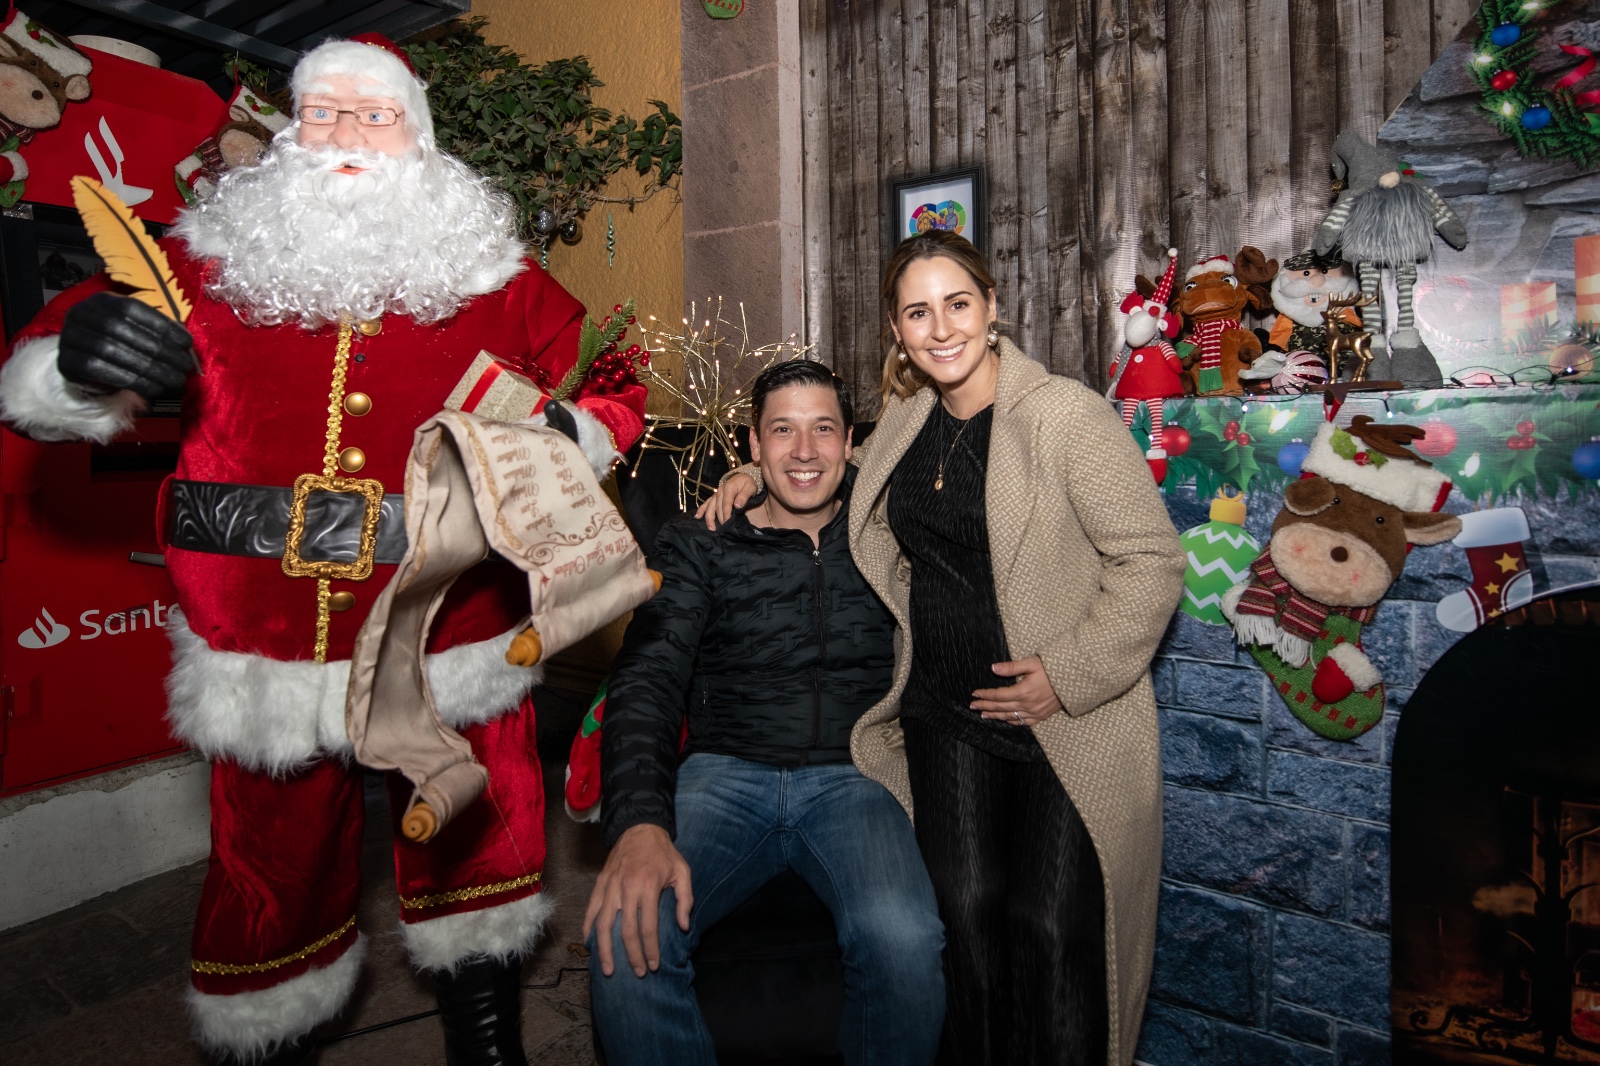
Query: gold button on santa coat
[[352, 459], [357, 404], [341, 601]]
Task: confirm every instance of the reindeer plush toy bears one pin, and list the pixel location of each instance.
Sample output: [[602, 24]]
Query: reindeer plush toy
[[40, 73], [1214, 296], [240, 141], [1337, 546]]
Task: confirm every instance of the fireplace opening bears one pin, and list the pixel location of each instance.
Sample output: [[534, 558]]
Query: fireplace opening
[[1495, 875]]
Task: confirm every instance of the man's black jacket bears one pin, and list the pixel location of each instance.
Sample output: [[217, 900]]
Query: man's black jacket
[[772, 648]]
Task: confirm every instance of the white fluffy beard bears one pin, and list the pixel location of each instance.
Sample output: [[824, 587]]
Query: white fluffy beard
[[417, 234], [1304, 302]]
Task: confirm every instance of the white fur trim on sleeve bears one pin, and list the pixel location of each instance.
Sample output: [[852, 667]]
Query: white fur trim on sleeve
[[502, 933], [249, 1025], [19, 166], [595, 440], [593, 437], [36, 400], [272, 716], [1356, 666]]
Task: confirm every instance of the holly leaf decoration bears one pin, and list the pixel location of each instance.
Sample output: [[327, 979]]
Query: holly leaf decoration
[[592, 340]]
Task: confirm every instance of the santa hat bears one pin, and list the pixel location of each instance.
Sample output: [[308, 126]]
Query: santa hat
[[259, 108], [1409, 484], [1146, 317], [57, 52], [379, 67], [1216, 264]]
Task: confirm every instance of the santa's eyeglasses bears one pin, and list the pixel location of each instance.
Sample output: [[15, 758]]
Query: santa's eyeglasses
[[371, 117]]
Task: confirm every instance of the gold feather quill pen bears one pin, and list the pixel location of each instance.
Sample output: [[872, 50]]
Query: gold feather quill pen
[[132, 258]]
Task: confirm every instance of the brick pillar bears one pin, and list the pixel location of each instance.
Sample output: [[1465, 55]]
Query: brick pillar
[[742, 206]]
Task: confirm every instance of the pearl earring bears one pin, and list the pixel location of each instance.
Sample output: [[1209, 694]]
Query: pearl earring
[[903, 356], [994, 336]]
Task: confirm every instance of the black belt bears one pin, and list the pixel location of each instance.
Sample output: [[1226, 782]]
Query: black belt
[[253, 521]]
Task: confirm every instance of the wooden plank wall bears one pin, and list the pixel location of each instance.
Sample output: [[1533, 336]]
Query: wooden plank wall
[[1107, 129]]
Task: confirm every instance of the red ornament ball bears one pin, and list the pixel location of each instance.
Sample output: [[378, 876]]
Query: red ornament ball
[[1175, 440], [1439, 439], [1503, 80]]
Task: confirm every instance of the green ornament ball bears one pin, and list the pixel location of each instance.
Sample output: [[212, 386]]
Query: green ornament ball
[[1220, 553]]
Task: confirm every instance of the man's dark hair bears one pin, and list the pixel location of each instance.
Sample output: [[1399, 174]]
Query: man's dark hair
[[793, 372]]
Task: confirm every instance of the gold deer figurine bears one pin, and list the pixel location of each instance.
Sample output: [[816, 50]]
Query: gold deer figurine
[[1358, 345]]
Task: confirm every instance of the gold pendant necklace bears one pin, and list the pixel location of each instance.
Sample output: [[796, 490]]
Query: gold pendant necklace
[[938, 482]]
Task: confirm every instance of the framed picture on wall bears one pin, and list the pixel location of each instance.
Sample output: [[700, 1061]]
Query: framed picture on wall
[[952, 200]]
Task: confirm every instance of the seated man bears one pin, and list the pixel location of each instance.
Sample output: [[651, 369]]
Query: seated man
[[766, 636]]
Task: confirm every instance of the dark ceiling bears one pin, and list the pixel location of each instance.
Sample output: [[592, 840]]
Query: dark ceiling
[[194, 38]]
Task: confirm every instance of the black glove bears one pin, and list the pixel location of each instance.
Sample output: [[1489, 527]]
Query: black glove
[[110, 342], [557, 417]]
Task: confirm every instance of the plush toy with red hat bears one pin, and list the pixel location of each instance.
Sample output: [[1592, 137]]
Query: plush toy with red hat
[[1152, 371], [253, 120], [40, 73], [1337, 547], [1216, 292]]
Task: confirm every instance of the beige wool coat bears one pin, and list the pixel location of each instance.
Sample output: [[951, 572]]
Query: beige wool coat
[[1087, 572]]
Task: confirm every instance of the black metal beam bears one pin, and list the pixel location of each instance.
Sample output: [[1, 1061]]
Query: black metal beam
[[155, 17]]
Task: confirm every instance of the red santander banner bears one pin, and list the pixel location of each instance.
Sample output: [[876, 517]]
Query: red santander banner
[[136, 125]]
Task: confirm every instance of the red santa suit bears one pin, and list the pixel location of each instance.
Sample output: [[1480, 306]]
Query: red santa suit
[[275, 944]]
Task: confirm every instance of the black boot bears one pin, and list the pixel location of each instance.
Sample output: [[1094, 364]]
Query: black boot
[[480, 1005]]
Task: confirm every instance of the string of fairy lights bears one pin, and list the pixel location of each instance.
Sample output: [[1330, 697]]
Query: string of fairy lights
[[705, 369]]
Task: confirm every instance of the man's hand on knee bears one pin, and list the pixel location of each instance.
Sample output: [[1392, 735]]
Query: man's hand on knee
[[640, 867]]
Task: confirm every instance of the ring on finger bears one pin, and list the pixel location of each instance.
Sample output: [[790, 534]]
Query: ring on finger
[[1018, 716]]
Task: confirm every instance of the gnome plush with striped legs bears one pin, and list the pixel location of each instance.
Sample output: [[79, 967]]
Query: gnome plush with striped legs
[[1385, 218]]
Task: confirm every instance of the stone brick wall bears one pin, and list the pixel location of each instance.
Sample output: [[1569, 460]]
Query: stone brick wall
[[1273, 947]]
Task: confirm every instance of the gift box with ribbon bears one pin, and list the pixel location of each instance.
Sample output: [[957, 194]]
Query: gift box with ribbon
[[491, 389]]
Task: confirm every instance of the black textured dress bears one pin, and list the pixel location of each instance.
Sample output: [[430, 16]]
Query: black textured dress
[[956, 630], [1016, 875]]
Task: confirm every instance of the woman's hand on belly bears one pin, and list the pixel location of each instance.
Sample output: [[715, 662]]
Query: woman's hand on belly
[[1025, 702]]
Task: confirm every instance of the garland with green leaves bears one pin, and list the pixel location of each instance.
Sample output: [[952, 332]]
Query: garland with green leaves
[[1544, 121], [593, 341], [536, 131]]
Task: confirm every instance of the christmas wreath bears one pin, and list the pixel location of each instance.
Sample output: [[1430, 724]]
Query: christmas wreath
[[1541, 120], [1547, 121]]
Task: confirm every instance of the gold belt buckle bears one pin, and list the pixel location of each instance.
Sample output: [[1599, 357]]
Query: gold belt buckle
[[361, 568]]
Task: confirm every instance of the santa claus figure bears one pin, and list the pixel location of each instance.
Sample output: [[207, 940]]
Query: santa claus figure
[[1300, 295], [356, 260]]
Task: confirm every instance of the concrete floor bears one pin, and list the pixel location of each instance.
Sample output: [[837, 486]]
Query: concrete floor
[[104, 981]]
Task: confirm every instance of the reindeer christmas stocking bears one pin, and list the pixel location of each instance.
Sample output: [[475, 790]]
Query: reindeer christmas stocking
[[1321, 693]]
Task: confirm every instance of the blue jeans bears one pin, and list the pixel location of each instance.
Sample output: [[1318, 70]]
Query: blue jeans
[[741, 823]]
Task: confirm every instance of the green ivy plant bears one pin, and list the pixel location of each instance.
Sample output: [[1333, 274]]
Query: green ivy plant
[[536, 132]]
